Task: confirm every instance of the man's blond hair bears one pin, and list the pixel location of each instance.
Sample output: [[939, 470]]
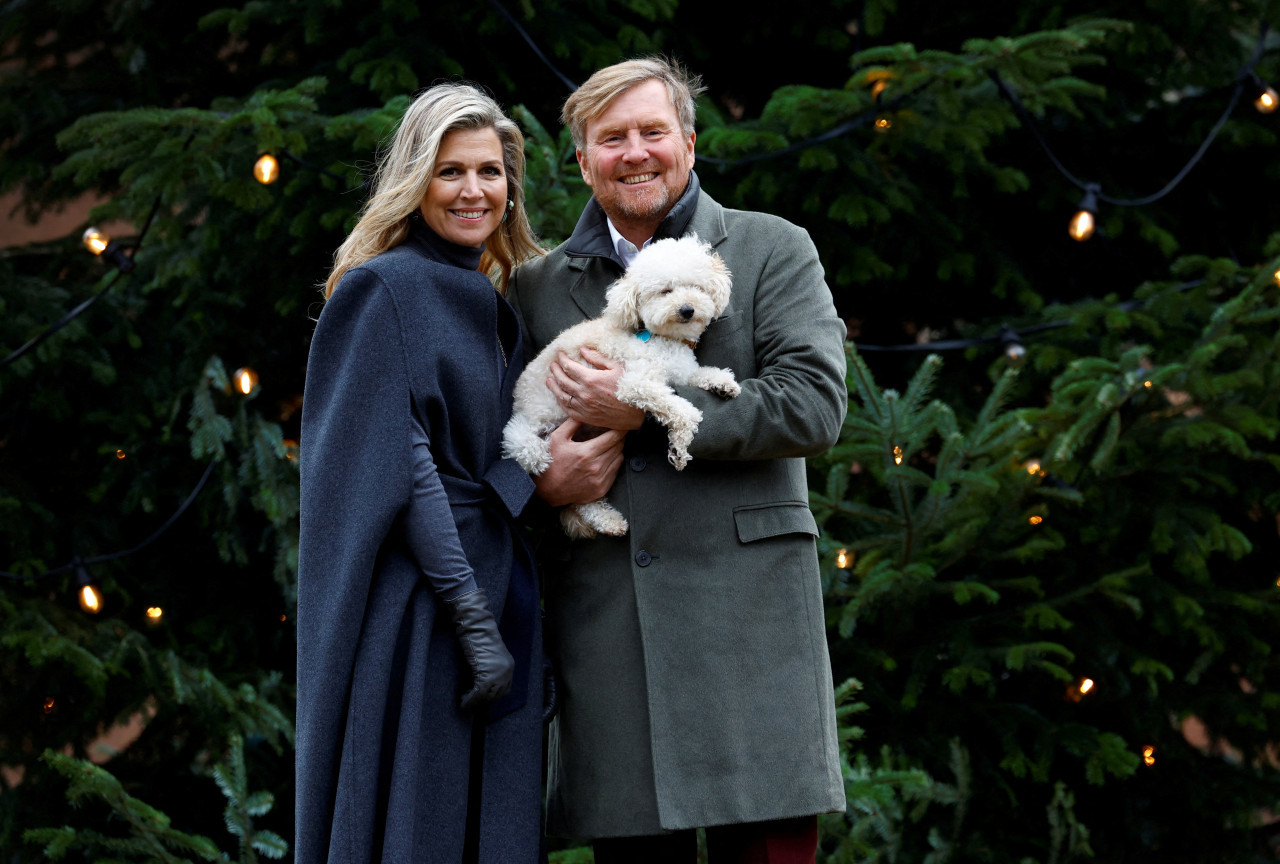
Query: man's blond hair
[[592, 99]]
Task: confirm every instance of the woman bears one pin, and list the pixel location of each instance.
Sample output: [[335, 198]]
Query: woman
[[419, 733]]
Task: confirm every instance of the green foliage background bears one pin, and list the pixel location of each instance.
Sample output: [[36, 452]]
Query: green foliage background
[[959, 627]]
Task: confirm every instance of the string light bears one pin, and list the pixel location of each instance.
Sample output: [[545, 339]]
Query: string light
[[1080, 689], [897, 455], [97, 242], [1082, 224], [1036, 520], [266, 170], [90, 599], [49, 705], [883, 123], [1148, 755], [154, 615], [844, 559], [1267, 99], [1275, 277], [120, 454], [879, 80], [245, 380], [1034, 468], [1014, 351]]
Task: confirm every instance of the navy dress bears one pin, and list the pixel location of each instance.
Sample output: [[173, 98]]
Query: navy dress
[[406, 502]]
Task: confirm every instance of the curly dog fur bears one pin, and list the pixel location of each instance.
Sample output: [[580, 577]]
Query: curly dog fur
[[670, 292]]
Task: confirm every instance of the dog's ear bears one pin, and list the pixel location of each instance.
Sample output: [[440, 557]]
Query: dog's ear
[[622, 304], [720, 283]]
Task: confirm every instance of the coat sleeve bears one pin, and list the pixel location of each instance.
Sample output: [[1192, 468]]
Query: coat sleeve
[[795, 404], [355, 454], [430, 527]]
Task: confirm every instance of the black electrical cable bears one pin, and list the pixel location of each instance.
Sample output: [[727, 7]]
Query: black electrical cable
[[100, 559], [1026, 118]]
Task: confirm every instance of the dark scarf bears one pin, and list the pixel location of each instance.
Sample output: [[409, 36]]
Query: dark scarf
[[591, 238]]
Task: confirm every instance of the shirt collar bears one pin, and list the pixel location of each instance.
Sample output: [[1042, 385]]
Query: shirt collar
[[626, 250]]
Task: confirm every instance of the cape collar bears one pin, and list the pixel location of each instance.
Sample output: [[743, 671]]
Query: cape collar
[[439, 249], [591, 238]]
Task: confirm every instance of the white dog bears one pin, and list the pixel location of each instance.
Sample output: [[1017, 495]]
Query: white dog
[[652, 320]]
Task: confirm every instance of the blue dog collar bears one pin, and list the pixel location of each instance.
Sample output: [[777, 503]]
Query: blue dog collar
[[644, 335]]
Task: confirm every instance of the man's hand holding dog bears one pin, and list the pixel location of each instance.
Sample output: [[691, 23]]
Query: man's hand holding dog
[[580, 471], [588, 393]]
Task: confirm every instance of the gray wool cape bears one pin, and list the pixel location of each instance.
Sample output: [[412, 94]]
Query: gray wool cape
[[382, 747], [695, 681]]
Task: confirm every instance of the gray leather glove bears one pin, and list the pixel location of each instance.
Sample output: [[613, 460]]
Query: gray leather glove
[[487, 657]]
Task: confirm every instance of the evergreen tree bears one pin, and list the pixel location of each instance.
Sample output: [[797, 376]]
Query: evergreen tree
[[961, 630]]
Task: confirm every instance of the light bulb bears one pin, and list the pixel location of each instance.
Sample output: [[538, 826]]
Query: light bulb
[[120, 454], [897, 455], [95, 241], [266, 170], [49, 705], [1077, 690], [883, 123], [844, 559], [1275, 277], [90, 599], [99, 243], [1267, 100], [1033, 468], [154, 614], [1081, 226], [1036, 520], [244, 380], [1148, 755]]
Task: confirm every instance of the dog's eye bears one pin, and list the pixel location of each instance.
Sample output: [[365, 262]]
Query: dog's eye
[[667, 290]]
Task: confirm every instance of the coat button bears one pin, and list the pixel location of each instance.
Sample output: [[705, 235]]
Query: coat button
[[638, 463], [643, 558]]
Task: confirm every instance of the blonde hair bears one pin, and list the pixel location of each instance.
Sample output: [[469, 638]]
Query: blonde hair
[[405, 170], [591, 99]]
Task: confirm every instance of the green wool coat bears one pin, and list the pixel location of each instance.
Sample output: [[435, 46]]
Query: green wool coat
[[695, 681]]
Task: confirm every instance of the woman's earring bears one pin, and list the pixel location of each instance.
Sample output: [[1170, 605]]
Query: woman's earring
[[510, 205]]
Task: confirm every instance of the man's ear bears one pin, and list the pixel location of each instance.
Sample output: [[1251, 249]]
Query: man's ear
[[693, 137], [582, 166]]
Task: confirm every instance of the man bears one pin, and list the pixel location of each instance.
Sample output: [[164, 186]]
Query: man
[[695, 683]]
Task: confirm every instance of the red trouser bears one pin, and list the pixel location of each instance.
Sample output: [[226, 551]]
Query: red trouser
[[782, 841]]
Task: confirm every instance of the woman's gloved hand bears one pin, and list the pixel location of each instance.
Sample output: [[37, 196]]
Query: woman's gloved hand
[[550, 696], [488, 658]]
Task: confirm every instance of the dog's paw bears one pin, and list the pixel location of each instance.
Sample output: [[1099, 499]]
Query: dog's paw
[[584, 521], [727, 390], [574, 525], [613, 526], [678, 457]]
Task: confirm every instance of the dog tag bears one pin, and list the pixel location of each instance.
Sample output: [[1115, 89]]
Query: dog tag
[[644, 335]]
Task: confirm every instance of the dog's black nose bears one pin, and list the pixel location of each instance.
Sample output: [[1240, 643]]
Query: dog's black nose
[[686, 312]]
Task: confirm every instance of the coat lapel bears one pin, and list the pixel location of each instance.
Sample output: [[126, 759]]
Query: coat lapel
[[708, 221], [587, 292]]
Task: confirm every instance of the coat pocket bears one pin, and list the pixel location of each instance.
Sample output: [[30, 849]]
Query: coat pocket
[[760, 521]]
